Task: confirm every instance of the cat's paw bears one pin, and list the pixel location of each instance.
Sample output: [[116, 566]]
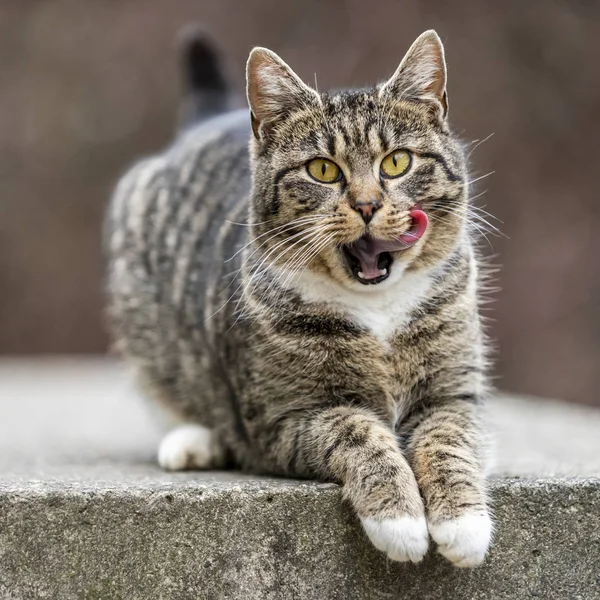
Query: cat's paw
[[402, 539], [187, 447], [465, 540]]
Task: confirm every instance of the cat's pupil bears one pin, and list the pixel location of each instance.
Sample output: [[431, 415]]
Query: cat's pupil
[[323, 168], [394, 160]]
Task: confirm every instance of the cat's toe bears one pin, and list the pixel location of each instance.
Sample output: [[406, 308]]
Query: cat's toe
[[187, 447], [402, 539], [465, 540]]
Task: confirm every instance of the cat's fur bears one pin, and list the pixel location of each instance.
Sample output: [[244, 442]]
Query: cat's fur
[[278, 359]]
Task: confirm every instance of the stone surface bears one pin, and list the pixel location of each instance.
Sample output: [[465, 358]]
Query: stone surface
[[85, 513]]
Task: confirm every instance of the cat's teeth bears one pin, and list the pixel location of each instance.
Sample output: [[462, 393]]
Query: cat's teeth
[[381, 273]]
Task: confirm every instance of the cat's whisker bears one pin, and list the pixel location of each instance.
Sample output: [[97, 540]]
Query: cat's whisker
[[472, 217], [473, 198], [296, 256], [256, 275], [472, 181], [485, 212], [307, 259], [306, 235], [481, 228], [263, 243], [302, 255], [240, 286], [313, 224], [304, 258], [479, 142], [256, 223], [297, 263], [256, 272], [280, 229]]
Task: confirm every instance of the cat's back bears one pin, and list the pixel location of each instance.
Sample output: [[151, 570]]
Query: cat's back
[[200, 165], [164, 230]]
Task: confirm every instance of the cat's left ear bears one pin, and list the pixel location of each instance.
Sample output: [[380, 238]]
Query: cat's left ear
[[273, 90], [421, 75]]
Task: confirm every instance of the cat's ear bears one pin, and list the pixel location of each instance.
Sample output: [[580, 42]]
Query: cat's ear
[[273, 89], [421, 75]]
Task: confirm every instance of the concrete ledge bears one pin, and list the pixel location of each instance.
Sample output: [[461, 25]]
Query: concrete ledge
[[85, 514], [224, 536]]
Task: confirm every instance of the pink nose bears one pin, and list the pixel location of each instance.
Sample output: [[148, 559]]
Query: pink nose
[[367, 209]]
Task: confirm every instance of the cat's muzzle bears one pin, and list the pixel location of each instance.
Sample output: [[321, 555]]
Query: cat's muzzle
[[370, 259]]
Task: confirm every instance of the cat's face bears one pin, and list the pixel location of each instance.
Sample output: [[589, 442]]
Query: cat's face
[[358, 186]]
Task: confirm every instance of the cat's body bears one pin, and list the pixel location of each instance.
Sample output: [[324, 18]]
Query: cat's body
[[267, 335]]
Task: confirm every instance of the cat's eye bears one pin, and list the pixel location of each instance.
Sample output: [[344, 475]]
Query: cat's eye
[[395, 164], [324, 170]]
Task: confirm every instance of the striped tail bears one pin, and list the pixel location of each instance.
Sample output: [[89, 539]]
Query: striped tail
[[206, 88]]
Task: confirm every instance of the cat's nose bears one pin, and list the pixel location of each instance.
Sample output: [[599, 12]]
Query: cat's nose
[[367, 209]]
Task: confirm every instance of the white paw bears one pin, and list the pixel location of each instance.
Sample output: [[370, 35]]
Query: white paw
[[401, 539], [465, 540], [187, 447]]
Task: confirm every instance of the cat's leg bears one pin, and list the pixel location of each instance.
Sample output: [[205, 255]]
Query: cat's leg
[[445, 450], [355, 448]]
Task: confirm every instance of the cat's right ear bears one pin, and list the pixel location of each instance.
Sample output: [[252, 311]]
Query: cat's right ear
[[421, 75], [273, 90]]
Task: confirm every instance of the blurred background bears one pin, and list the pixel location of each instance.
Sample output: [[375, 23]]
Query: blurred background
[[88, 87]]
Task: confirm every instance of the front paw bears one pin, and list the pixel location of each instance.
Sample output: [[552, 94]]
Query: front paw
[[402, 539], [464, 540]]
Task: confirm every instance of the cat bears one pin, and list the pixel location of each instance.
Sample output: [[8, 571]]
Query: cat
[[299, 286]]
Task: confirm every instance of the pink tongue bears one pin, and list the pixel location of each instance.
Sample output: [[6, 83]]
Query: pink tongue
[[367, 249]]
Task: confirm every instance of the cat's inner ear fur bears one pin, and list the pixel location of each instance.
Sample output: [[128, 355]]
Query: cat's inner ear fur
[[421, 75], [273, 90]]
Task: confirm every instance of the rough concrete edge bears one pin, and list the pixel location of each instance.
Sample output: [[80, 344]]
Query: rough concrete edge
[[35, 488]]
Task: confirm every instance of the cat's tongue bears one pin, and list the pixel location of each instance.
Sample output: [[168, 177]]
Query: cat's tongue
[[368, 250]]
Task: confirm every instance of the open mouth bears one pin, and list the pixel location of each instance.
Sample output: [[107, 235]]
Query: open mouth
[[370, 260]]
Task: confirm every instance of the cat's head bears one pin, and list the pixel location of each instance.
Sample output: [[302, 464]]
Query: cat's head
[[358, 186]]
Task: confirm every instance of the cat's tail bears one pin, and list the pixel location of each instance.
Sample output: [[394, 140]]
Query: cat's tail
[[206, 89]]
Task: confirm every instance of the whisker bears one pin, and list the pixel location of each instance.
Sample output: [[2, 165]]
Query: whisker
[[480, 178], [473, 220], [255, 276], [313, 227], [298, 265], [479, 142], [306, 256], [473, 198], [254, 279], [485, 212], [289, 225], [304, 232]]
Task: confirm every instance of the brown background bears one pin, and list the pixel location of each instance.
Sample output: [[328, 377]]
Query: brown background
[[86, 87]]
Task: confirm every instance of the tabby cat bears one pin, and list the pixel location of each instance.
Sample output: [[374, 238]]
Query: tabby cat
[[300, 289]]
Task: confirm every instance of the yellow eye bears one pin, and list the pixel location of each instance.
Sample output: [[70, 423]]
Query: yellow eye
[[324, 170], [396, 163]]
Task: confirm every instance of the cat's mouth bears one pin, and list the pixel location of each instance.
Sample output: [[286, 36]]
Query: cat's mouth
[[370, 259]]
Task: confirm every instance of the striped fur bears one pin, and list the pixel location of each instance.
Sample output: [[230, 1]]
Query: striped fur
[[230, 295]]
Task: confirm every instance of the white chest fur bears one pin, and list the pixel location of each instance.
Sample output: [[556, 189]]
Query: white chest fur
[[382, 309]]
